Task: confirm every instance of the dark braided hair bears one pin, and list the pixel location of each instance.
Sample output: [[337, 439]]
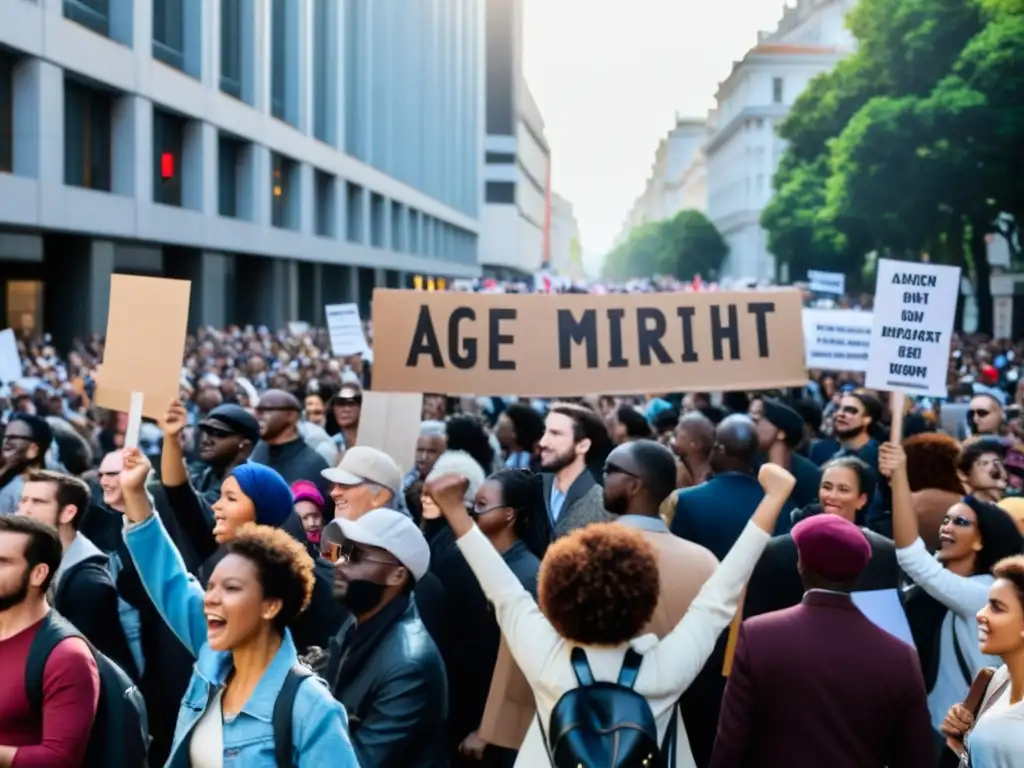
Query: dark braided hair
[[523, 491]]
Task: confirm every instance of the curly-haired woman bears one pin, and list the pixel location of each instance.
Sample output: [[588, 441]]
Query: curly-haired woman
[[597, 589], [932, 473], [237, 630]]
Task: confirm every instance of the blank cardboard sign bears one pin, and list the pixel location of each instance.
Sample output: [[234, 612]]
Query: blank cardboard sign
[[146, 329], [390, 422]]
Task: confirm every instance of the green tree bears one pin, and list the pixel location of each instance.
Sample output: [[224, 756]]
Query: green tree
[[686, 245]]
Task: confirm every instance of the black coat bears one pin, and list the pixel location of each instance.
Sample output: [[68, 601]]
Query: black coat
[[293, 461], [776, 584]]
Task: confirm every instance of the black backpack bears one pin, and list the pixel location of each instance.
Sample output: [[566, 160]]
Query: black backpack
[[120, 732], [606, 725], [283, 706]]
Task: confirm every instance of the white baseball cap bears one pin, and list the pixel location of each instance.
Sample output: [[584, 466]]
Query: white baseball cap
[[389, 530]]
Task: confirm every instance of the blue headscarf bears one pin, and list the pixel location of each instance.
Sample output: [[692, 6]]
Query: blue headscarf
[[270, 494]]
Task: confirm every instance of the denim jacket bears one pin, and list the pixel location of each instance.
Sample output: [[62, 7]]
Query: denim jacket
[[319, 723]]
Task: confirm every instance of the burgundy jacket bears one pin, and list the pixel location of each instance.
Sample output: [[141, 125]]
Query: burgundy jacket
[[819, 685]]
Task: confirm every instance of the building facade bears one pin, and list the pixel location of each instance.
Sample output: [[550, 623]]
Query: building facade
[[566, 250], [743, 147], [281, 154], [667, 189], [515, 220]]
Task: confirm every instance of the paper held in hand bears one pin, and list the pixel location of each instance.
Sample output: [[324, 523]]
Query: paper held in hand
[[913, 323]]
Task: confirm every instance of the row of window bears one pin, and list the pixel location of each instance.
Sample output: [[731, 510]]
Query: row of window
[[89, 161]]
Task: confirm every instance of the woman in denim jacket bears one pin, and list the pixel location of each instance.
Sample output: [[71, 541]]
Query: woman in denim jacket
[[237, 631]]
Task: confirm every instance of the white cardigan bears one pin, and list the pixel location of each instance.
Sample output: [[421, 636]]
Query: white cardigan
[[964, 597], [668, 668]]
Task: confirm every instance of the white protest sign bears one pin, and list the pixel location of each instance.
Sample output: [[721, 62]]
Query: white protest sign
[[10, 361], [826, 282], [837, 339], [914, 308], [345, 327]]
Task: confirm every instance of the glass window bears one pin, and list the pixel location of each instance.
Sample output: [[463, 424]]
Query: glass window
[[321, 65], [776, 90], [231, 47], [282, 209], [278, 23], [87, 136], [229, 157], [325, 216], [168, 146], [94, 14], [169, 32], [6, 113]]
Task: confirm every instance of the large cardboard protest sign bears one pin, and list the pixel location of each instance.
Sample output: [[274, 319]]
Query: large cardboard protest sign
[[146, 327], [910, 335], [551, 345], [837, 339]]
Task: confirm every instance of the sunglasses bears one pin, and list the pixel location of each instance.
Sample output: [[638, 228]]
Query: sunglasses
[[978, 413], [850, 410], [612, 469], [349, 553], [349, 401], [216, 431], [957, 520]]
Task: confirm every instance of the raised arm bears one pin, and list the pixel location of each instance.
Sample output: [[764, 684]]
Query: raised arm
[[681, 655], [892, 463], [176, 594], [531, 638]]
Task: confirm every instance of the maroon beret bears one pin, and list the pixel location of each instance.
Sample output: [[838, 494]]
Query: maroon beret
[[832, 547]]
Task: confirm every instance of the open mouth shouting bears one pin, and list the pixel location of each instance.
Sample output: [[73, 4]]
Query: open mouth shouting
[[215, 624]]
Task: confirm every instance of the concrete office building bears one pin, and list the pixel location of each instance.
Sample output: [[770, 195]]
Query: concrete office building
[[515, 222], [281, 154]]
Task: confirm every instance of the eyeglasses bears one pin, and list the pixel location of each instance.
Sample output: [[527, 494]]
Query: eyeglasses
[[612, 469], [978, 413], [476, 511], [850, 410], [349, 553], [957, 520]]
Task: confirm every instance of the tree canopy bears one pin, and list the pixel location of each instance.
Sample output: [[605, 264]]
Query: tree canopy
[[686, 245], [910, 147]]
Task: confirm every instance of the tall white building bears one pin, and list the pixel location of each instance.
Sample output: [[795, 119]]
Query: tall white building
[[668, 188], [743, 148], [566, 251], [514, 220]]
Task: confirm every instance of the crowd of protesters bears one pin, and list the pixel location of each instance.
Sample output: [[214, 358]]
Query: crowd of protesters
[[444, 613]]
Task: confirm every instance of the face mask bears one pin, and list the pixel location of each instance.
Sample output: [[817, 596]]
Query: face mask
[[363, 596], [313, 537]]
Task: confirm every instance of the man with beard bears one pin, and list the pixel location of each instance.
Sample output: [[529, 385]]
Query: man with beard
[[714, 513], [572, 495], [384, 666], [981, 470], [857, 416], [281, 447], [692, 442], [226, 439], [779, 431], [985, 415], [82, 590], [30, 554], [27, 438]]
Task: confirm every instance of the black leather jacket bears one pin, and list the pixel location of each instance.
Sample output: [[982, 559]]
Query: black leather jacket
[[397, 699]]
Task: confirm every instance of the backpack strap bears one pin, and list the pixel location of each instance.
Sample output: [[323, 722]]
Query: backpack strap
[[283, 706], [581, 667], [630, 668], [53, 631], [961, 661]]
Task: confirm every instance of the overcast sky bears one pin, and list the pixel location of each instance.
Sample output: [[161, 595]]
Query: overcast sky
[[609, 82]]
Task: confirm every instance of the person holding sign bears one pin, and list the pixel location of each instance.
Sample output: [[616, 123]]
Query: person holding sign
[[974, 537]]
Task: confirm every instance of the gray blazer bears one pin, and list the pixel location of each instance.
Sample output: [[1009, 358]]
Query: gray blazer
[[584, 504]]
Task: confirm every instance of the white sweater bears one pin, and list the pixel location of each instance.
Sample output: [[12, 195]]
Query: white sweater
[[964, 597], [668, 668]]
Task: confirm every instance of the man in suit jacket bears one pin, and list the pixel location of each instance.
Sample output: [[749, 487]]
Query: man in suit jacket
[[776, 583], [714, 513], [639, 475], [572, 496], [819, 684]]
